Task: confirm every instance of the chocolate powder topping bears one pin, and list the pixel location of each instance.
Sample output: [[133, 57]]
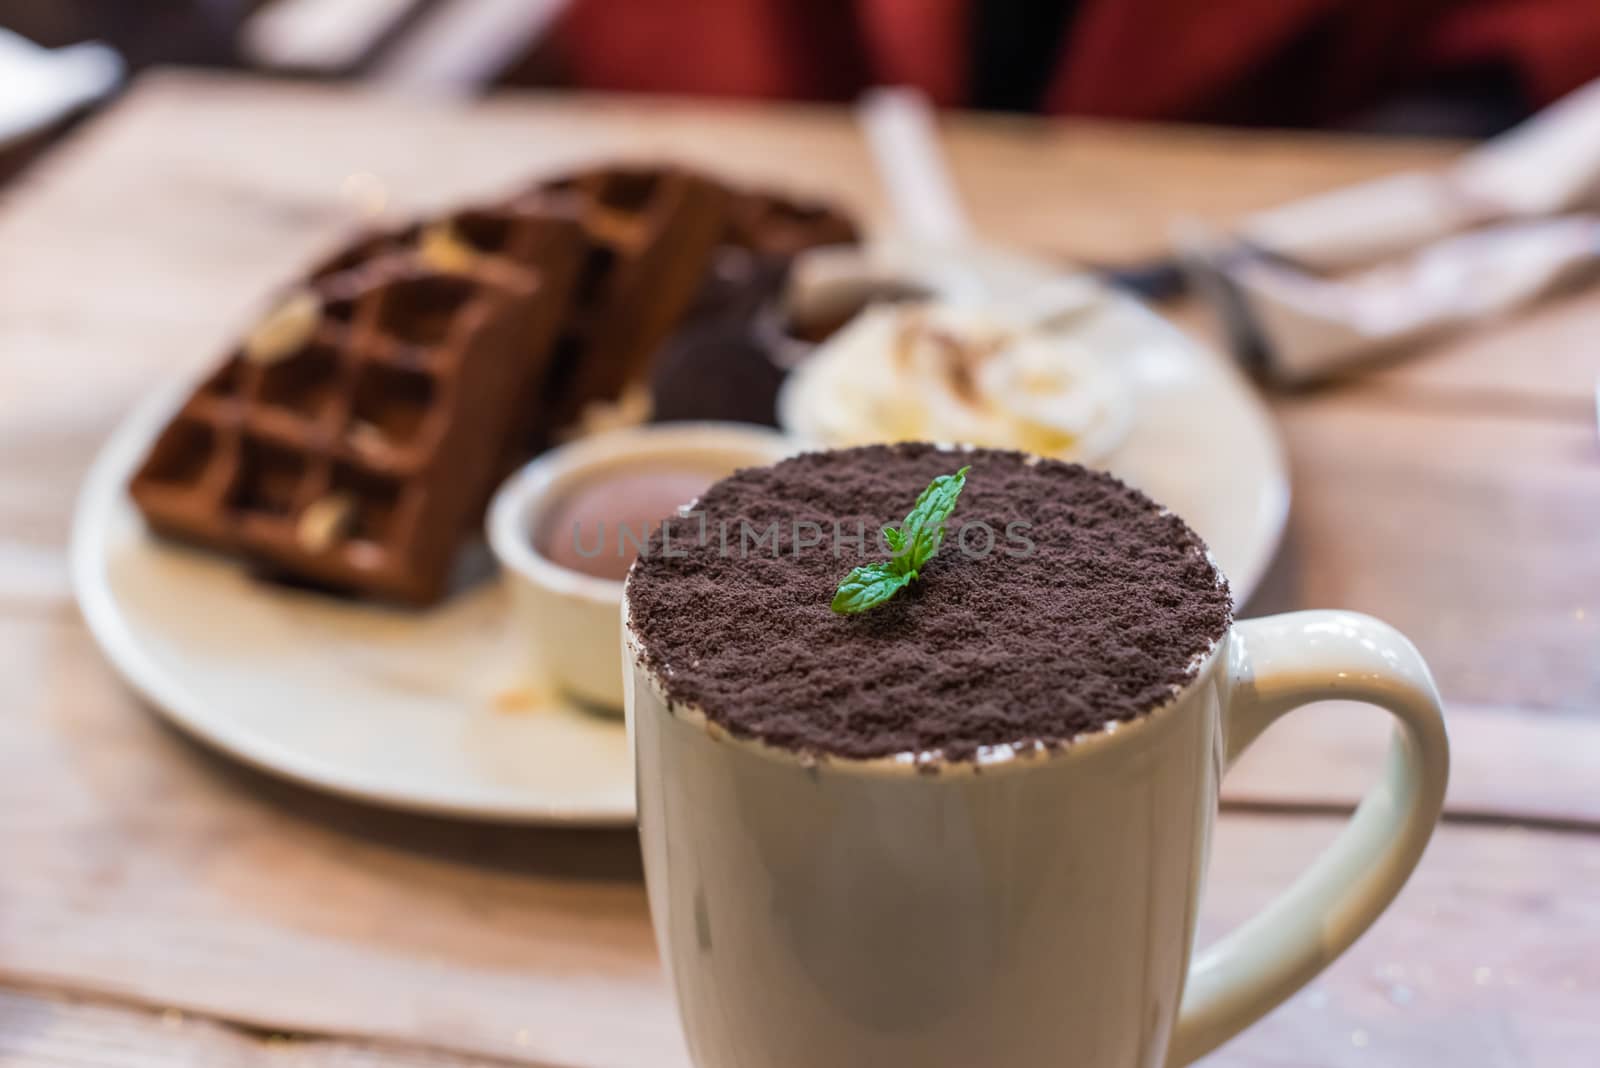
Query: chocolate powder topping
[[1098, 622]]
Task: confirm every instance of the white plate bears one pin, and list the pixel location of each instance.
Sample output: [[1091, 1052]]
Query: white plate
[[430, 712], [425, 711]]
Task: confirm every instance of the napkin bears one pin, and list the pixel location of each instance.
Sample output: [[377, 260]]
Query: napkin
[[1298, 326], [1546, 166], [39, 86], [1312, 288]]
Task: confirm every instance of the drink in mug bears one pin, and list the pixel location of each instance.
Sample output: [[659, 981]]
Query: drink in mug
[[912, 800]]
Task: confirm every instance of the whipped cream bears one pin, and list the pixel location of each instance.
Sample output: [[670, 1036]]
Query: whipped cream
[[989, 373]]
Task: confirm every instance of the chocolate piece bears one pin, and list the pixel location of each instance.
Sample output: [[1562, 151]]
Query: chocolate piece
[[732, 352], [354, 448], [1099, 622], [721, 362]]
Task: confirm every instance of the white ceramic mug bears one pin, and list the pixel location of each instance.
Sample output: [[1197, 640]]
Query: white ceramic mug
[[1039, 911]]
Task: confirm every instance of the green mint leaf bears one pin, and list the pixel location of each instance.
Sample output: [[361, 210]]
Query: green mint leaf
[[869, 586], [924, 527], [913, 544]]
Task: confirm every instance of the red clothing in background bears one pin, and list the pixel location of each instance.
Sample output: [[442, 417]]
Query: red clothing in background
[[1217, 60]]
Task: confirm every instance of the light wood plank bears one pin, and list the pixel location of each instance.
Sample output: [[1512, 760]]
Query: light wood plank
[[140, 867], [1104, 192], [1487, 958], [1505, 765], [43, 1031], [1473, 534]]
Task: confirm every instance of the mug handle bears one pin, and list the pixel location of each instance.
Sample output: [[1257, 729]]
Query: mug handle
[[1275, 665]]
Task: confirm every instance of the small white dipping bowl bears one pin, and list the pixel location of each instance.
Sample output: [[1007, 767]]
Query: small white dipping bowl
[[571, 622]]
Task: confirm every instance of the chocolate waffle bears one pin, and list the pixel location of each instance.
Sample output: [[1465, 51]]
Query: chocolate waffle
[[542, 238], [650, 237], [545, 238], [351, 439], [651, 233], [637, 242]]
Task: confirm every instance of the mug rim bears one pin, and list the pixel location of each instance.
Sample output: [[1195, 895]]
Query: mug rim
[[926, 766]]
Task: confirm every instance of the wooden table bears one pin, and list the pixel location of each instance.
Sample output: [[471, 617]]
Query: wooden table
[[163, 906]]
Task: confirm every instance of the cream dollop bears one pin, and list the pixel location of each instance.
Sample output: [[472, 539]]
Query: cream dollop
[[990, 374]]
